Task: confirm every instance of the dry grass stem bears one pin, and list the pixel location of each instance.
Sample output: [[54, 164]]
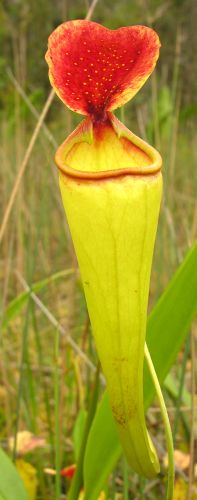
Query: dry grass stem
[[25, 163], [31, 107], [58, 326], [91, 9]]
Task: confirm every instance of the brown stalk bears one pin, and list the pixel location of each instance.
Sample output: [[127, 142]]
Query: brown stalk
[[91, 10], [31, 107]]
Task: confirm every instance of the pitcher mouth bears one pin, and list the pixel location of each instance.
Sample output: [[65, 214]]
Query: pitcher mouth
[[106, 150]]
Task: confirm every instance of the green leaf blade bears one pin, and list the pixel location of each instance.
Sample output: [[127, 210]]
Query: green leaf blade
[[170, 320], [167, 329], [11, 485]]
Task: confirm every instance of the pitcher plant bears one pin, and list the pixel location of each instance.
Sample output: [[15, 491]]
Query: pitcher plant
[[111, 186]]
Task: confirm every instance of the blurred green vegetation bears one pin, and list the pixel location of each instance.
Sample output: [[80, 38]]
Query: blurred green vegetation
[[37, 244]]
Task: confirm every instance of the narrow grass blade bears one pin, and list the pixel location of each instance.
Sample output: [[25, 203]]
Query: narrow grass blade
[[102, 451], [57, 417], [78, 476]]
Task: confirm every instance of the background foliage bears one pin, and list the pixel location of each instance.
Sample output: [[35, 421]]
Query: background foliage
[[36, 375]]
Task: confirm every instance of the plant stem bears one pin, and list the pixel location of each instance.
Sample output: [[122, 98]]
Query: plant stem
[[192, 435], [78, 477], [57, 425], [169, 439], [180, 391], [126, 480], [21, 380]]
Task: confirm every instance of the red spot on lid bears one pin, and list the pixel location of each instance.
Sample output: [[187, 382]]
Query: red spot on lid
[[74, 47]]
